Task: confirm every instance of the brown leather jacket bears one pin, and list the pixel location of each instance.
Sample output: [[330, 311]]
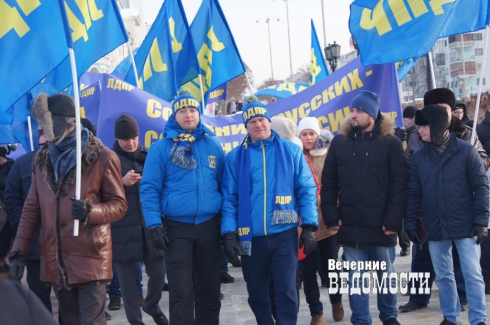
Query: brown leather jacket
[[66, 259]]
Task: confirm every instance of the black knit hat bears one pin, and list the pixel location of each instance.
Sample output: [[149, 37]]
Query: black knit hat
[[439, 96], [409, 112], [126, 127], [54, 112], [436, 117]]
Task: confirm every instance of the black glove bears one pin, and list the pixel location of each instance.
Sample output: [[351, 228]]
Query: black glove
[[79, 209], [414, 237], [480, 232], [17, 265], [402, 134], [232, 249], [158, 238], [308, 240]]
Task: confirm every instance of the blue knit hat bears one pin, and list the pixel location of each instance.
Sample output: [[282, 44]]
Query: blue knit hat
[[254, 108], [185, 99], [368, 102]]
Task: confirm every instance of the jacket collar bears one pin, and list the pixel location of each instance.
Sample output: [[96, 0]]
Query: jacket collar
[[383, 127], [90, 155]]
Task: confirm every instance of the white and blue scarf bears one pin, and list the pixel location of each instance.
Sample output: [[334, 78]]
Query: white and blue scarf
[[63, 155]]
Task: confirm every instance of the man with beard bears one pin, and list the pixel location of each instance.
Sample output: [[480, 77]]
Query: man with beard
[[363, 195]]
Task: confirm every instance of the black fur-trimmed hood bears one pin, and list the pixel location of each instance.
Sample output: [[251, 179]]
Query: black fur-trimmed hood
[[90, 155], [322, 143]]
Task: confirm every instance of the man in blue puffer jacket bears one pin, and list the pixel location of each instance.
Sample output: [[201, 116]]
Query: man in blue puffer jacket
[[447, 175], [181, 184], [267, 185]]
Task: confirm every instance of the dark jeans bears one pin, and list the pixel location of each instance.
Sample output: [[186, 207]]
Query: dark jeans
[[422, 262], [224, 260], [328, 249], [84, 304], [114, 289], [193, 271], [277, 255], [40, 288], [155, 270]]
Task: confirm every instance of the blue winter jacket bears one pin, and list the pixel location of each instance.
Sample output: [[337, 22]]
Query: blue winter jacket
[[454, 189], [178, 194], [262, 162]]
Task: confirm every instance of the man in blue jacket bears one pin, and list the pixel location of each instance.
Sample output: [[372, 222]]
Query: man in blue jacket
[[181, 186], [447, 174], [267, 185]]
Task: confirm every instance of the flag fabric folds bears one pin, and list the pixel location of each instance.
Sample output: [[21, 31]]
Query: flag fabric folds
[[403, 68], [318, 65], [283, 90], [32, 43], [95, 28], [217, 53], [392, 31], [166, 59]]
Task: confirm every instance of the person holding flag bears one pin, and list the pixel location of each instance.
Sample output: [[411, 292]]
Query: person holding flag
[[79, 267], [181, 199]]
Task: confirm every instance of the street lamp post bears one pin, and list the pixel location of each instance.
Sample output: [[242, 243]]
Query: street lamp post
[[289, 42], [267, 21], [332, 53]]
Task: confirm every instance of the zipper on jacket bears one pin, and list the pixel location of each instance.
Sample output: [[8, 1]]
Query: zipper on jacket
[[265, 188]]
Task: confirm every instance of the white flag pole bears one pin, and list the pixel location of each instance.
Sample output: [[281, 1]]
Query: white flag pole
[[78, 129], [29, 125], [202, 92], [134, 65], [478, 97], [432, 74]]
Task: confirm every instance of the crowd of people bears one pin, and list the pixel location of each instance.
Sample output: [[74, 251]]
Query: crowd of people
[[280, 205]]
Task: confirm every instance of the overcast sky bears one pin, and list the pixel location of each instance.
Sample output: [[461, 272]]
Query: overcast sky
[[252, 39]]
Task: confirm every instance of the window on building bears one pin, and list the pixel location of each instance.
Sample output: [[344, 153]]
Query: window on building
[[470, 65], [468, 37], [478, 66], [440, 59], [454, 38], [478, 51], [477, 36]]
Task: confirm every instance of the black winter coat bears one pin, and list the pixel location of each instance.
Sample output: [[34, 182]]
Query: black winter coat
[[483, 131], [18, 185], [368, 173], [129, 234], [453, 189]]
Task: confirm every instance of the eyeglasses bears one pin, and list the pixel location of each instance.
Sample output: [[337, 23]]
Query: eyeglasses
[[423, 127]]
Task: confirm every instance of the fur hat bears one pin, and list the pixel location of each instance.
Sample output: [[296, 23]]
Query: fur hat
[[55, 113], [286, 129], [88, 125], [439, 96], [368, 102], [253, 108], [185, 99], [309, 123], [4, 150], [126, 127], [409, 112], [436, 117]]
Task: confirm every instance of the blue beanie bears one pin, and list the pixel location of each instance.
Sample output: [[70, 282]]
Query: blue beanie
[[185, 100], [368, 102], [254, 108]]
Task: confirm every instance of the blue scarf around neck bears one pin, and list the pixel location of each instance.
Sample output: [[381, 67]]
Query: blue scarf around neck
[[283, 206], [181, 151], [63, 155]]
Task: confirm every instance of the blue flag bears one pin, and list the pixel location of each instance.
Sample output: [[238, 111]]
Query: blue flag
[[123, 67], [282, 90], [403, 68], [95, 29], [32, 43], [218, 56], [392, 31], [166, 59], [318, 65]]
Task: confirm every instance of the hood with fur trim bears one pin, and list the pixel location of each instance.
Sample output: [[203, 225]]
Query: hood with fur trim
[[384, 126]]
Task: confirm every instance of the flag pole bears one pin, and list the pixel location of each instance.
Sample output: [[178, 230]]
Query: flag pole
[[29, 125], [78, 130], [134, 65], [478, 97], [248, 83], [431, 65], [202, 91]]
